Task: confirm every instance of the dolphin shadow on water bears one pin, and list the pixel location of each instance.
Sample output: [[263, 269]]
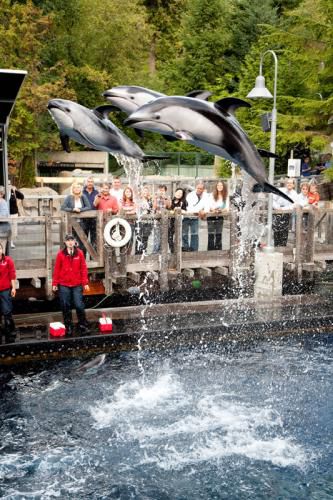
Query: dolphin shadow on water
[[92, 128], [209, 126]]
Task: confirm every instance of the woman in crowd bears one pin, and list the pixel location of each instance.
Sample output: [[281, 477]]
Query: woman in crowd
[[77, 202], [128, 207], [281, 222], [216, 203], [4, 226], [144, 228], [15, 195], [7, 290], [178, 202]]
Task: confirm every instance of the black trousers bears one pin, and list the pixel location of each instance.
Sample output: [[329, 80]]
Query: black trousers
[[215, 227]]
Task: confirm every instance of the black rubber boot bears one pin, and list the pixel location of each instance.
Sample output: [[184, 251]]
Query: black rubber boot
[[68, 323], [9, 328], [83, 323]]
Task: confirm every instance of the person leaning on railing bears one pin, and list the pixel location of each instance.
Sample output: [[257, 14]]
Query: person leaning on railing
[[178, 202], [77, 202], [15, 195], [105, 201], [217, 202], [90, 192], [4, 226], [128, 207], [196, 204], [144, 227], [281, 222]]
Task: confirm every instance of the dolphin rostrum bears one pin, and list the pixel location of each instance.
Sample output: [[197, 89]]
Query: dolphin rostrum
[[209, 126], [92, 128]]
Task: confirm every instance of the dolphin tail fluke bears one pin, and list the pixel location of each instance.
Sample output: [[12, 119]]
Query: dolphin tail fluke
[[152, 157], [269, 188]]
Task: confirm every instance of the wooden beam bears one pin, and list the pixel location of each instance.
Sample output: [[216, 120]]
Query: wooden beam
[[223, 271], [134, 277], [36, 282], [189, 273], [48, 255], [83, 237], [204, 272]]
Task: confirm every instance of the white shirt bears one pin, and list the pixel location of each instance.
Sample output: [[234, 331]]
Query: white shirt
[[77, 203], [302, 200], [196, 204], [117, 193], [212, 204], [279, 202]]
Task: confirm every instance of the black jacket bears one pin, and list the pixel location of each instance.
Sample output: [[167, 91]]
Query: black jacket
[[14, 196]]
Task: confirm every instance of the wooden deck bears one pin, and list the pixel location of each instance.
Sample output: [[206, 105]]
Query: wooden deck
[[40, 237]]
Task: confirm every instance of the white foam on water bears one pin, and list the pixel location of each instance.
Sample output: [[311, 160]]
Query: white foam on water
[[134, 397]]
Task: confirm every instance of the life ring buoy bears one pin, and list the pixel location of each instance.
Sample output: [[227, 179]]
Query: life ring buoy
[[117, 232]]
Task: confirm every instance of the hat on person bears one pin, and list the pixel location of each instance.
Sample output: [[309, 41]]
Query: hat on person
[[69, 236]]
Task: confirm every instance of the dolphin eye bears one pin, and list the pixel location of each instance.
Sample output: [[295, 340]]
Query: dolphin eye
[[157, 117], [68, 110], [132, 97]]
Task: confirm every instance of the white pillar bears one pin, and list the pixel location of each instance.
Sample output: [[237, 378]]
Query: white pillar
[[268, 275]]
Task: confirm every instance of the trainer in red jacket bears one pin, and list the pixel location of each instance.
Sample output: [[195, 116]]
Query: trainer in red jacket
[[7, 289], [70, 277]]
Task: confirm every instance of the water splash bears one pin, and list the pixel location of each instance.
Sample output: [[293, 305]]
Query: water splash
[[251, 228]]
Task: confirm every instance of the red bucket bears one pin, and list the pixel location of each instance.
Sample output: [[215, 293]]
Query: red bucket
[[57, 329]]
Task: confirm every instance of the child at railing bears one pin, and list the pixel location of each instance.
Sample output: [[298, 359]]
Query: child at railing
[[313, 195]]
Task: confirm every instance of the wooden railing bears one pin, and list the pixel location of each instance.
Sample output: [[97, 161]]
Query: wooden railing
[[307, 250]]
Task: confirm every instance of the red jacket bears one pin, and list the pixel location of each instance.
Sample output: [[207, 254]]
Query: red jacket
[[70, 270], [7, 273]]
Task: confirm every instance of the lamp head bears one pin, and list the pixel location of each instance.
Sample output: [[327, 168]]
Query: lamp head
[[260, 90]]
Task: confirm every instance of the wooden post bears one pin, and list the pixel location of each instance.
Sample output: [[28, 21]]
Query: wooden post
[[298, 243], [178, 240], [164, 220], [309, 247], [108, 270], [48, 255], [233, 241], [99, 236]]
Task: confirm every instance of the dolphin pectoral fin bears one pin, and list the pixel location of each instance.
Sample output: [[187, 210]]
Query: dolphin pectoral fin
[[267, 154], [230, 104], [269, 188], [65, 142], [170, 138], [104, 110], [140, 133], [204, 95], [183, 135]]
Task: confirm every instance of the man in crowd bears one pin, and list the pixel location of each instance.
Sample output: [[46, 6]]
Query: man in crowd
[[161, 201], [116, 189], [7, 289], [196, 203], [90, 224], [70, 278], [105, 201]]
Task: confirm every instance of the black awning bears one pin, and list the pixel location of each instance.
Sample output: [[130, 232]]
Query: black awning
[[10, 84]]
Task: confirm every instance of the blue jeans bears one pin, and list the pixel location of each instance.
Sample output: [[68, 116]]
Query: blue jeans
[[6, 304], [67, 296], [190, 226]]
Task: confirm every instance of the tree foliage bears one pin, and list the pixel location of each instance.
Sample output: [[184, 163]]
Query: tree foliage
[[78, 49]]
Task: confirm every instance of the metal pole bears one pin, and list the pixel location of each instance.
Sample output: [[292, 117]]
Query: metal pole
[[272, 150]]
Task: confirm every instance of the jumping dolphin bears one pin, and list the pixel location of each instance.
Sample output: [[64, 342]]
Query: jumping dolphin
[[210, 126], [92, 128], [129, 98], [94, 363]]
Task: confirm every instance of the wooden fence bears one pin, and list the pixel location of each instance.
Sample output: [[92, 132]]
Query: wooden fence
[[308, 249]]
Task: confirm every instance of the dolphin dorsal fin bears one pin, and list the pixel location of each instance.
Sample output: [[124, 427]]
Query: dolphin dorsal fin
[[230, 104], [204, 95], [104, 110]]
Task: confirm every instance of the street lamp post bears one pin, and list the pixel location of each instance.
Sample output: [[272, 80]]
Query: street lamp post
[[260, 91]]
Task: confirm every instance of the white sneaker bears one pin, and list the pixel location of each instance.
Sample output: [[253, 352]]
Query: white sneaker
[[12, 245]]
